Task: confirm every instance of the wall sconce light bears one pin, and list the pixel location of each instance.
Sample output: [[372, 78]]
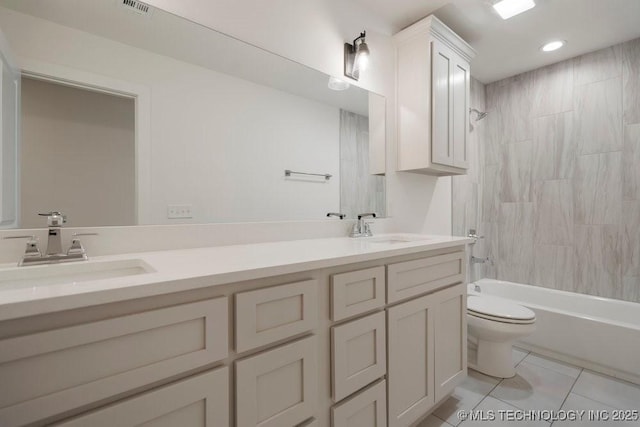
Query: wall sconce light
[[356, 57]]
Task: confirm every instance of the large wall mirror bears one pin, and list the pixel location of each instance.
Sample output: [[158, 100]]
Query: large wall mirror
[[127, 116]]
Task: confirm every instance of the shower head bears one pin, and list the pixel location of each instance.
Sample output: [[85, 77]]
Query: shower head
[[479, 114]]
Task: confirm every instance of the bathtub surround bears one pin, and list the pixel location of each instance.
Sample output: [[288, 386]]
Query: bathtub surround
[[559, 180], [359, 191], [467, 190]]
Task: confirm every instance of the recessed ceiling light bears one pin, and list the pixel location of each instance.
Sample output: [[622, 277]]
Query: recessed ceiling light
[[554, 45], [508, 8]]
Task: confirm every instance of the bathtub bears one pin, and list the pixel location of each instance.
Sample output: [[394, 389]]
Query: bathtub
[[596, 333]]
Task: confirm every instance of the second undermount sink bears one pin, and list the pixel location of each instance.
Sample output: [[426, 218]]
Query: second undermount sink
[[397, 238], [81, 271]]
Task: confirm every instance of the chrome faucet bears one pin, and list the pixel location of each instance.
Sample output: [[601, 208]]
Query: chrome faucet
[[53, 254], [361, 228], [55, 221]]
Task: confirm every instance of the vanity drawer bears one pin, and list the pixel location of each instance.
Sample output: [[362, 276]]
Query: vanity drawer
[[365, 409], [199, 401], [265, 316], [412, 278], [278, 387], [51, 372], [358, 354], [357, 292]]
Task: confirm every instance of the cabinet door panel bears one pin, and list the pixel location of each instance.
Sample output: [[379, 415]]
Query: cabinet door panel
[[265, 316], [450, 313], [411, 362], [199, 401], [367, 408], [358, 354], [460, 85], [278, 387], [442, 106]]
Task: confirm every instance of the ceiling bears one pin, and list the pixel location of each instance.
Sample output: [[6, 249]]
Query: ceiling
[[506, 48]]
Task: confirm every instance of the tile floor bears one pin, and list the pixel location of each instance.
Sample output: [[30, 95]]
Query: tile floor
[[540, 384]]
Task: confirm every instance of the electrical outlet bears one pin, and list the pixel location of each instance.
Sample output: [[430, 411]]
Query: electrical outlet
[[179, 211]]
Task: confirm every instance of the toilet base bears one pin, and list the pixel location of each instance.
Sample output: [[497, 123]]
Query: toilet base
[[494, 359]]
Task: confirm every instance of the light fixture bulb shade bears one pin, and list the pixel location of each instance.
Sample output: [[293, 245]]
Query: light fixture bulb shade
[[362, 57]]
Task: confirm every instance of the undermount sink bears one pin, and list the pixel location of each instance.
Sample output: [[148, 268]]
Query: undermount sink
[[398, 238], [81, 271]]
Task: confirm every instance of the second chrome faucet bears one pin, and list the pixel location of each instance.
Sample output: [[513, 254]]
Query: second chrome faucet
[[361, 228]]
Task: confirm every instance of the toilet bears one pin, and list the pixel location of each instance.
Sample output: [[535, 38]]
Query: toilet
[[495, 323]]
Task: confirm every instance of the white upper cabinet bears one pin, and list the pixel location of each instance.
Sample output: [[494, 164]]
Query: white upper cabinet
[[433, 78]]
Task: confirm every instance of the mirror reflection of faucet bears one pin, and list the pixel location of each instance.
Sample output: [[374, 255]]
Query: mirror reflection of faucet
[[53, 254]]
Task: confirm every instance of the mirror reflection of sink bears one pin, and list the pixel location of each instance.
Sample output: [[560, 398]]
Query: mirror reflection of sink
[[82, 271], [399, 238]]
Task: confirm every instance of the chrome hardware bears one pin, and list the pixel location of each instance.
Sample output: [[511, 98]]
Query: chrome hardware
[[55, 218], [31, 251], [476, 260], [326, 176], [53, 254], [361, 228], [473, 234], [337, 214], [476, 288]]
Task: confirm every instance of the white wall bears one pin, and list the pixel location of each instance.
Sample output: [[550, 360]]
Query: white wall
[[219, 143]]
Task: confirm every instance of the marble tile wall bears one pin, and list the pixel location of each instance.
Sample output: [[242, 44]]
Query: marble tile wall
[[555, 177]]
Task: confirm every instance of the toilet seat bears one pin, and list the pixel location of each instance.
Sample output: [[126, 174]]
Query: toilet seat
[[497, 310]]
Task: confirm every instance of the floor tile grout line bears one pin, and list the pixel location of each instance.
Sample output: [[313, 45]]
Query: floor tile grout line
[[590, 397], [570, 391]]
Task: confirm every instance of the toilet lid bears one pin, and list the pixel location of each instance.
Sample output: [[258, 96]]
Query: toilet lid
[[485, 306]]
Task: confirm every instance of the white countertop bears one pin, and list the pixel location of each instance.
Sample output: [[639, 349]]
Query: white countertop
[[186, 269]]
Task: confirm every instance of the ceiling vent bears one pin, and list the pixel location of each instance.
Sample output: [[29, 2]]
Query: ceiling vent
[[137, 7]]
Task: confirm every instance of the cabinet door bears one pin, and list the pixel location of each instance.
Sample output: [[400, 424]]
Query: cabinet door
[[199, 401], [279, 387], [358, 354], [460, 79], [367, 408], [410, 343], [442, 59], [450, 316]]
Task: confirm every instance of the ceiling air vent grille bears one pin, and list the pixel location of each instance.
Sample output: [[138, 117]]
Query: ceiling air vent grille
[[136, 6]]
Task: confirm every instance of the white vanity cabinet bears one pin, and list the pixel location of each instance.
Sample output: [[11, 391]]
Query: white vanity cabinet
[[433, 80], [378, 342]]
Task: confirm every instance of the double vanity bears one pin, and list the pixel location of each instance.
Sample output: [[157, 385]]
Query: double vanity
[[337, 331]]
